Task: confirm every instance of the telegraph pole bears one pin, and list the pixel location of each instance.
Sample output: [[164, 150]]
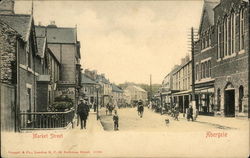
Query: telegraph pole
[[248, 60], [192, 58], [150, 87]]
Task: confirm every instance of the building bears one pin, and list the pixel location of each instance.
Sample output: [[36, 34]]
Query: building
[[19, 71], [135, 93], [182, 82], [66, 48], [167, 90], [88, 89], [231, 70], [49, 70], [117, 95], [205, 60]]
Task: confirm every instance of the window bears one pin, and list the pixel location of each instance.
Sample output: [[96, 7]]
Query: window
[[206, 70], [29, 102], [209, 68], [229, 35], [242, 30], [209, 39], [197, 71], [219, 40], [225, 37], [200, 70], [233, 33]]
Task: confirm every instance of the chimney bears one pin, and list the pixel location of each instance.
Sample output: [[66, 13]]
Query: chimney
[[52, 24], [7, 6], [39, 23]]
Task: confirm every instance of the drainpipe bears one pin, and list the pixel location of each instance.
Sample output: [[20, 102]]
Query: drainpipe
[[17, 90]]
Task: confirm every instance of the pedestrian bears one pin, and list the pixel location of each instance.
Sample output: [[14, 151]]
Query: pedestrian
[[83, 112], [116, 121], [140, 108], [176, 113], [190, 113]]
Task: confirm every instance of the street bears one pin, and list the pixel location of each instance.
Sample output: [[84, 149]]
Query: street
[[152, 121], [137, 137]]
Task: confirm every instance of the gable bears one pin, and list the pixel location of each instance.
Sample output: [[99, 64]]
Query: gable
[[205, 24]]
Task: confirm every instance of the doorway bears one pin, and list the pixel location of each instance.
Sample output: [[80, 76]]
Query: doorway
[[229, 103]]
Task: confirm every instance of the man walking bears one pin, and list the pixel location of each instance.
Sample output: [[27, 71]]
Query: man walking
[[83, 112], [116, 121], [190, 113]]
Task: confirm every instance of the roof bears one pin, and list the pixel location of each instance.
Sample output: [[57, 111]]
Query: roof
[[208, 6], [180, 67], [41, 43], [57, 34], [19, 22], [138, 88], [116, 88], [87, 80], [101, 78]]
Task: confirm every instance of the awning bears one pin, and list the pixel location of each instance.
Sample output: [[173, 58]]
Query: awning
[[182, 92], [204, 90]]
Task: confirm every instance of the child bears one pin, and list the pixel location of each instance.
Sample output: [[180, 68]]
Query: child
[[116, 119]]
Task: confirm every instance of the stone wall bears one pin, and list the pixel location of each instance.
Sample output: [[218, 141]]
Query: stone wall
[[8, 39]]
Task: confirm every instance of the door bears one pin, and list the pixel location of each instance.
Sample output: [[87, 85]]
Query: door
[[229, 103]]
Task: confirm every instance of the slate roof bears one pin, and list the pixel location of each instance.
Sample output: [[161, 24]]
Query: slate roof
[[209, 6], [100, 78], [138, 88], [116, 88], [87, 80], [57, 34], [41, 43], [19, 22]]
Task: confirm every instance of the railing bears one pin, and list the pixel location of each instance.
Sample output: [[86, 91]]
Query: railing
[[45, 120]]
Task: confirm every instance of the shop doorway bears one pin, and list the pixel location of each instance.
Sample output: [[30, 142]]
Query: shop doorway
[[230, 103]]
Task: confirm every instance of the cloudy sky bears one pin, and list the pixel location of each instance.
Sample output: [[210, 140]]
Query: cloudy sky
[[126, 40]]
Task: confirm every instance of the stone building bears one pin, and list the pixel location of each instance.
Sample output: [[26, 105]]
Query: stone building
[[205, 60], [135, 93], [231, 21], [88, 89], [117, 95], [18, 58], [66, 48]]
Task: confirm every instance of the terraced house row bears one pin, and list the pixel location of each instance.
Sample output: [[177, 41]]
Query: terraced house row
[[40, 69], [221, 62]]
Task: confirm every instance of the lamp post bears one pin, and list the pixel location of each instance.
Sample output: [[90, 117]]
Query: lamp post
[[97, 100]]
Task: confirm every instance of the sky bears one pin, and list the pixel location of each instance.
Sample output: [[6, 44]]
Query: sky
[[125, 40]]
